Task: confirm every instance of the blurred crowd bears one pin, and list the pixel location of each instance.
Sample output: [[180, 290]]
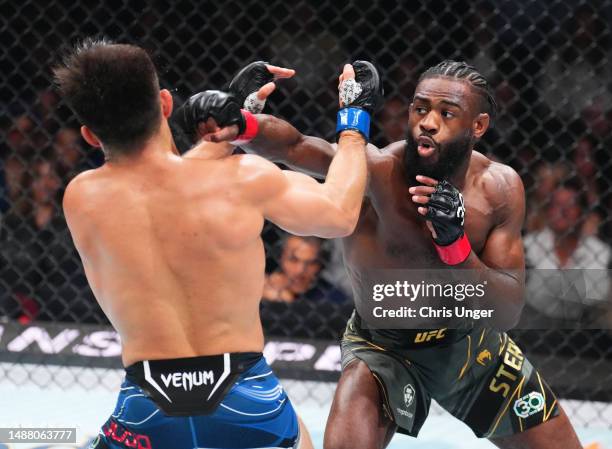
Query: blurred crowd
[[42, 278], [554, 127]]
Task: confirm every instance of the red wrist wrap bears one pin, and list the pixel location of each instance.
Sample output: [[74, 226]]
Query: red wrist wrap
[[250, 131], [456, 252]]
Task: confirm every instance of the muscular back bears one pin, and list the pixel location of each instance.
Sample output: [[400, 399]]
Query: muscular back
[[174, 258], [171, 246]]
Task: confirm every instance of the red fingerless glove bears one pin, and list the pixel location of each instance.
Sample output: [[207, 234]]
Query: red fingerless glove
[[250, 131], [456, 252]]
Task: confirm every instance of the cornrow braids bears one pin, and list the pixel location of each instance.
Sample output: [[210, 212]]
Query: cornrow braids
[[463, 71]]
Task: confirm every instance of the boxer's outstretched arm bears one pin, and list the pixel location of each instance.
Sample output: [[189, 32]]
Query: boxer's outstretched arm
[[279, 141], [302, 206], [213, 116]]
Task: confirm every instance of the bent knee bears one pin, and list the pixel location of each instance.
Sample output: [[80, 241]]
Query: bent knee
[[359, 378]]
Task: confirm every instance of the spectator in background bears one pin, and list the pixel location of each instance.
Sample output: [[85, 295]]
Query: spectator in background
[[68, 153], [39, 275], [583, 159], [17, 150], [547, 177], [561, 245], [19, 135], [598, 117], [301, 261], [37, 249], [45, 187], [606, 207], [22, 245], [45, 110], [394, 119], [17, 180]]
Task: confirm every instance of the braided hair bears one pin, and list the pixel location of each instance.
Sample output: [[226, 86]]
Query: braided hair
[[463, 71]]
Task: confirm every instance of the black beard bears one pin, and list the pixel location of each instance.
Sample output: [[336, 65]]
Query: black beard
[[451, 155]]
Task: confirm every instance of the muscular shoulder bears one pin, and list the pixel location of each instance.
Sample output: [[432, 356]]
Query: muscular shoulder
[[377, 157], [501, 185], [258, 177], [385, 158], [250, 167], [83, 190], [383, 164], [86, 199]]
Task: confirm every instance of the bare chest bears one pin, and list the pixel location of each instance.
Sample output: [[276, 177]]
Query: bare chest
[[392, 234]]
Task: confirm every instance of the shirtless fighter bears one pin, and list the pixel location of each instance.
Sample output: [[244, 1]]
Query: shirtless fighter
[[432, 201], [172, 251]]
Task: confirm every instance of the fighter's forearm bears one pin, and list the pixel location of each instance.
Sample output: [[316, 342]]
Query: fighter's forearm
[[347, 175], [504, 291], [278, 141]]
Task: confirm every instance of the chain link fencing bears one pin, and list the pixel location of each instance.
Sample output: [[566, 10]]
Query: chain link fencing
[[548, 61]]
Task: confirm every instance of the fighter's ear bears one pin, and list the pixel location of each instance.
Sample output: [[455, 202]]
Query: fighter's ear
[[90, 137], [480, 124], [167, 102]]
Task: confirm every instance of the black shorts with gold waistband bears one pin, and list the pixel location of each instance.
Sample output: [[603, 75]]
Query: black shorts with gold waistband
[[480, 376]]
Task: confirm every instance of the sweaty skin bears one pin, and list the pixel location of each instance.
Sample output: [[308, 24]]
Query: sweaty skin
[[171, 245], [391, 233]]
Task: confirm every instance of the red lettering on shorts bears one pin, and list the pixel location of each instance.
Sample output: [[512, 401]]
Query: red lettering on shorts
[[125, 437]]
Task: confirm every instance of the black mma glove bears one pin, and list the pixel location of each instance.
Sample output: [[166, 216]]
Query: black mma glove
[[247, 82], [446, 211], [359, 98], [222, 107]]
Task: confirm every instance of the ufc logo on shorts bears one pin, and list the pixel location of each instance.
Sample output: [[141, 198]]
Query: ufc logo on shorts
[[428, 336]]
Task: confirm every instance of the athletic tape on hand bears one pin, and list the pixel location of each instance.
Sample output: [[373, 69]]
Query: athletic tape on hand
[[253, 104], [349, 91]]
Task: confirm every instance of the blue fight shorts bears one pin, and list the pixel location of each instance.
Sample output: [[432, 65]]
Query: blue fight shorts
[[253, 411]]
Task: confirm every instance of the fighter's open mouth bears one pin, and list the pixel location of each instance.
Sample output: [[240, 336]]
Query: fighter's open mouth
[[426, 146], [426, 142]]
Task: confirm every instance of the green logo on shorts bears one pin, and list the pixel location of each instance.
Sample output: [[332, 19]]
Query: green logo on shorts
[[528, 405]]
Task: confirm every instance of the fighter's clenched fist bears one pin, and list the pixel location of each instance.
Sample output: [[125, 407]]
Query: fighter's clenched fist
[[445, 212], [360, 94]]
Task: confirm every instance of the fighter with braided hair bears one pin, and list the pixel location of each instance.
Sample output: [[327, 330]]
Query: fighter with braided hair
[[432, 203]]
